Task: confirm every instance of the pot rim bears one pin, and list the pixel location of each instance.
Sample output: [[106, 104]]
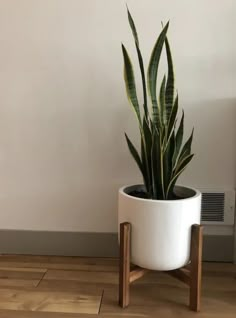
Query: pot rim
[[196, 195]]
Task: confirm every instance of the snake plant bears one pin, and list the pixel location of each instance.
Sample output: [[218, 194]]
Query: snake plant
[[163, 155]]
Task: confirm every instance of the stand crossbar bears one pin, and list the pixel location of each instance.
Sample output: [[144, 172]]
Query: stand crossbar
[[190, 275]]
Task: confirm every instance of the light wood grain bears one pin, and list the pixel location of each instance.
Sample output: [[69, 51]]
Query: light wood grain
[[153, 301], [83, 276], [25, 283], [25, 277], [49, 301], [76, 287], [71, 289], [58, 262], [23, 269], [191, 276], [137, 273], [124, 265], [196, 267]]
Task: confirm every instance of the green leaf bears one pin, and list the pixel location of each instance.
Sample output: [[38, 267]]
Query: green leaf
[[186, 150], [134, 153], [132, 26], [162, 157], [167, 161], [140, 59], [170, 85], [183, 163], [180, 169], [178, 139], [157, 167], [172, 119], [146, 145], [152, 73], [162, 101], [130, 83]]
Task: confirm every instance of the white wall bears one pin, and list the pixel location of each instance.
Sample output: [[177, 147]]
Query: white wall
[[63, 108]]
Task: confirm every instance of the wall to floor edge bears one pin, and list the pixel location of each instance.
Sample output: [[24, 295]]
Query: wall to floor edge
[[215, 248]]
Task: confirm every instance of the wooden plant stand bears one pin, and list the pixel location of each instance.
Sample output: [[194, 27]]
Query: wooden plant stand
[[190, 275]]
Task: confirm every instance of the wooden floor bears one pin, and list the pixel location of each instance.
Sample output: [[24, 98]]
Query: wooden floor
[[57, 287]]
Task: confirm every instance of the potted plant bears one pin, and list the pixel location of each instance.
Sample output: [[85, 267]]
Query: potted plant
[[161, 213]]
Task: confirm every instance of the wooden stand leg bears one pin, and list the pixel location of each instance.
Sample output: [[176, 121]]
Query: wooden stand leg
[[124, 271], [192, 277], [196, 267]]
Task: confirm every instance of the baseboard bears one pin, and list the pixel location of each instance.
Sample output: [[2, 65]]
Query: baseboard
[[218, 248], [215, 248], [59, 243]]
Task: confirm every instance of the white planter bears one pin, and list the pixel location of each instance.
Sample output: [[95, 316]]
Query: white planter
[[161, 229]]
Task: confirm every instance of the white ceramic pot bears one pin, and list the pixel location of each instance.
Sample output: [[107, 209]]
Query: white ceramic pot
[[161, 229]]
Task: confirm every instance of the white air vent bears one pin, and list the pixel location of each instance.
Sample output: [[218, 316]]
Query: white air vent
[[217, 207]]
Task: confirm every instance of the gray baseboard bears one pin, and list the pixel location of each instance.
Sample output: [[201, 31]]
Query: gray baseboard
[[215, 248], [58, 243], [218, 248]]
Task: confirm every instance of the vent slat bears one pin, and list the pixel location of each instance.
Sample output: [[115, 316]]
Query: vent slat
[[212, 208]]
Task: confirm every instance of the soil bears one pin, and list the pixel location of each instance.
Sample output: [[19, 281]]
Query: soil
[[139, 194], [143, 195]]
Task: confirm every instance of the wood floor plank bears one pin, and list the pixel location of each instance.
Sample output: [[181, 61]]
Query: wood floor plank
[[25, 283], [49, 301], [77, 284], [109, 277], [59, 262], [27, 314], [71, 286], [25, 277], [83, 276], [169, 302], [19, 273], [36, 314], [22, 269]]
